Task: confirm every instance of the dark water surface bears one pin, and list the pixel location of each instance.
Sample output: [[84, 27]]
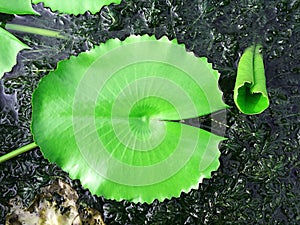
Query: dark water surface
[[258, 180]]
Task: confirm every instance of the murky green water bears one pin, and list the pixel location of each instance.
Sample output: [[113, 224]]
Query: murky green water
[[258, 180]]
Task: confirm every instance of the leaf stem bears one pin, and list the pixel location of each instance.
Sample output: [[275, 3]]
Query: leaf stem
[[17, 152], [34, 30]]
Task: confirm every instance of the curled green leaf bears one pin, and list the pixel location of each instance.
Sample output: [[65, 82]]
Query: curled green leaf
[[9, 49], [250, 92], [76, 7], [107, 117]]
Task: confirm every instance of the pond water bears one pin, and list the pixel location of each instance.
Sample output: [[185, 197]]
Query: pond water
[[258, 179]]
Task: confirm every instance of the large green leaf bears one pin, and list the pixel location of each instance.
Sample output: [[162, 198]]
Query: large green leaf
[[9, 49], [76, 6], [16, 7], [106, 118], [250, 92]]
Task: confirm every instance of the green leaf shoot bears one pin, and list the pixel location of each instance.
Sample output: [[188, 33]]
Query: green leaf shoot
[[76, 7], [106, 117], [9, 49], [17, 152], [34, 30], [250, 93]]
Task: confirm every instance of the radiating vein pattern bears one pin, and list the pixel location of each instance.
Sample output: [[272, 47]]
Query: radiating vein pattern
[[123, 98]]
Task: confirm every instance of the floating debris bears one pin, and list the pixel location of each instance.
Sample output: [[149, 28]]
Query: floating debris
[[56, 204]]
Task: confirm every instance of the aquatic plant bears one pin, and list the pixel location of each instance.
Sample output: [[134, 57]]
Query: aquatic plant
[[111, 116], [10, 46], [107, 117]]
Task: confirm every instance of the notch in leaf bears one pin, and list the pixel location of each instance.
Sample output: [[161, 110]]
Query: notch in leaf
[[250, 92]]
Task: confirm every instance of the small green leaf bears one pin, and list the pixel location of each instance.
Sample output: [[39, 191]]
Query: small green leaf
[[106, 118], [16, 7], [9, 49], [250, 93], [76, 6]]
